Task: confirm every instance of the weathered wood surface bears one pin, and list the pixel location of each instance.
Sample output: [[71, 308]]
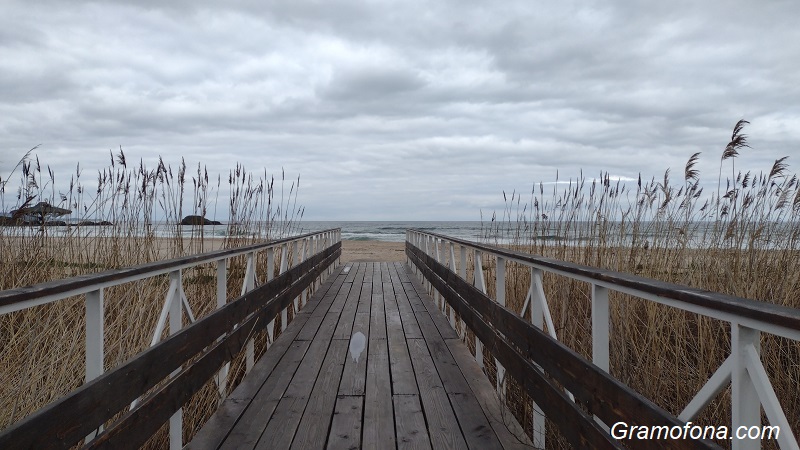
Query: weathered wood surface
[[84, 283], [746, 308], [367, 368], [521, 347], [66, 421]]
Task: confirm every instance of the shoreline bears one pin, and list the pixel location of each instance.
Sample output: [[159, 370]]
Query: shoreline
[[363, 251], [352, 250]]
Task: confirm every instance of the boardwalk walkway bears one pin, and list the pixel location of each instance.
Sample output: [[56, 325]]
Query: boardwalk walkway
[[368, 363]]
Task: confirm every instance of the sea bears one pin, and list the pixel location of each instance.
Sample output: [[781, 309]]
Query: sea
[[394, 231], [387, 231]]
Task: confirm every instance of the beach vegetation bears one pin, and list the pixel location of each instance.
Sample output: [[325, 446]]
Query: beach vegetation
[[122, 215], [742, 239]]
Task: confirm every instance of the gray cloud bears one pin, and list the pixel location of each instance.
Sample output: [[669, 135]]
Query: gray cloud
[[410, 110]]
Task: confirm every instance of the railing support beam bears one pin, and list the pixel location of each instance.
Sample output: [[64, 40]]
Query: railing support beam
[[480, 284], [745, 404], [500, 297], [248, 285], [95, 347], [600, 327], [175, 325], [537, 320], [222, 299]]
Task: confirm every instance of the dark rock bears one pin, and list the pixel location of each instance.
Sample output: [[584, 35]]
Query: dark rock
[[89, 223], [56, 223], [198, 220]]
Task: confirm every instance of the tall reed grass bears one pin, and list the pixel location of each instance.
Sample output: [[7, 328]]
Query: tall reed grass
[[743, 239], [42, 353]]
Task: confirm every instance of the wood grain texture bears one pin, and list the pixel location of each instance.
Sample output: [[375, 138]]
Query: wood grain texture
[[443, 426], [605, 396], [394, 396], [378, 413], [766, 312], [346, 425], [66, 421], [412, 434], [80, 283]]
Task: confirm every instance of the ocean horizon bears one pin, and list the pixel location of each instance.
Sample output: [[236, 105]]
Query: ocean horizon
[[393, 231]]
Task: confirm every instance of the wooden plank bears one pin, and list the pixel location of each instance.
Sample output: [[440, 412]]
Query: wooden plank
[[452, 378], [442, 424], [394, 276], [394, 325], [361, 269], [434, 314], [378, 412], [365, 302], [505, 425], [477, 429], [376, 273], [410, 325], [605, 396], [403, 381], [327, 326], [222, 421], [341, 297], [410, 426], [247, 431], [377, 312], [413, 297], [281, 428], [402, 271], [351, 274], [355, 368], [346, 425], [345, 326], [313, 428]]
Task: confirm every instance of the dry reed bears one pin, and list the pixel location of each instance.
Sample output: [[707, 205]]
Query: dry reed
[[43, 353], [742, 240]]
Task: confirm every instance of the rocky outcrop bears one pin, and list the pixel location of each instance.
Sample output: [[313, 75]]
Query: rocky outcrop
[[89, 223], [198, 220]]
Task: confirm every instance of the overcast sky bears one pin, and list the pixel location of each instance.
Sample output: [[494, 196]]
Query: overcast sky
[[392, 110]]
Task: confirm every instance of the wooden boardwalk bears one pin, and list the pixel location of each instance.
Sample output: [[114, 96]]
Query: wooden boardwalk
[[368, 363]]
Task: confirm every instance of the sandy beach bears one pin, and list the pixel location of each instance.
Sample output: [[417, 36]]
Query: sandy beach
[[357, 251]]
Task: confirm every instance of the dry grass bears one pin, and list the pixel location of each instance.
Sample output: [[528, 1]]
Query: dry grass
[[743, 240], [43, 354]]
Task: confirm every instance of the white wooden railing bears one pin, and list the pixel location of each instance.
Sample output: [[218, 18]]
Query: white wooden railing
[[176, 304], [743, 370]]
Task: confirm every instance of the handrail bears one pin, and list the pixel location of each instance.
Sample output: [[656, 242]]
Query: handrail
[[743, 369], [217, 337], [519, 345], [68, 419], [775, 319], [25, 297]]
